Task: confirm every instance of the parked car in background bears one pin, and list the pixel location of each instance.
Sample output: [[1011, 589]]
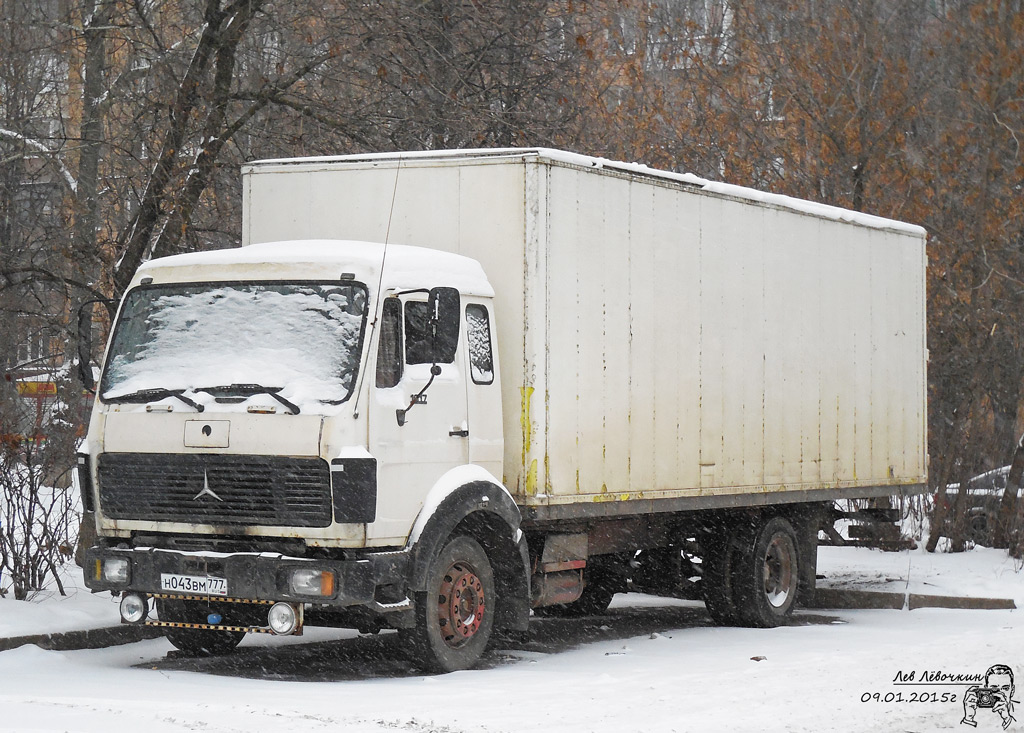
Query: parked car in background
[[984, 492]]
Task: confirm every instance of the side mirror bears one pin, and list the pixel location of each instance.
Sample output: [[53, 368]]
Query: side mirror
[[85, 318], [444, 304]]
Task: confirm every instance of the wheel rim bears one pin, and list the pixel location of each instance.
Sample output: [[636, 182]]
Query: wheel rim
[[778, 570], [460, 604]]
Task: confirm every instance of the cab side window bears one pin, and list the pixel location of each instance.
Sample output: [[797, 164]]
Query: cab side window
[[407, 335], [478, 333], [389, 353]]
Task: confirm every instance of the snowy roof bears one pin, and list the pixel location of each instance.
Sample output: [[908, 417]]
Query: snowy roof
[[314, 259], [637, 169]]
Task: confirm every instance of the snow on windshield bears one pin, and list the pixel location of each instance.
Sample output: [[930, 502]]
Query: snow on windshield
[[301, 337]]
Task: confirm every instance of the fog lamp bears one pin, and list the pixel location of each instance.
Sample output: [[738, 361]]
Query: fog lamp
[[307, 582], [134, 608], [282, 619], [115, 570]]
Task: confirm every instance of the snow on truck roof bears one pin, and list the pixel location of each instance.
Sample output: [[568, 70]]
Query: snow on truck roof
[[638, 169], [406, 266]]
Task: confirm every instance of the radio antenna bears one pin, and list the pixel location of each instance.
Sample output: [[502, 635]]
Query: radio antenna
[[387, 231], [380, 282]]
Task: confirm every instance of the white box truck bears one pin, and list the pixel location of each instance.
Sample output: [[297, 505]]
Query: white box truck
[[434, 391]]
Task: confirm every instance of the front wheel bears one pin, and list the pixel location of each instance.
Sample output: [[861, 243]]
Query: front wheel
[[455, 615], [766, 575]]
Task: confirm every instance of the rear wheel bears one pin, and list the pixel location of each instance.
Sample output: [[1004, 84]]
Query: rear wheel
[[196, 642], [719, 563], [455, 616], [766, 575]]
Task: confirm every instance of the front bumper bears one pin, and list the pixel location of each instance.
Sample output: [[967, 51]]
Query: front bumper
[[249, 576]]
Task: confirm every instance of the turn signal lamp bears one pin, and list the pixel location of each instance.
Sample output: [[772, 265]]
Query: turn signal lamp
[[308, 582]]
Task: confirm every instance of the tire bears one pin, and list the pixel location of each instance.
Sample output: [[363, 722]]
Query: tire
[[455, 616], [978, 529], [195, 642], [766, 575], [719, 562]]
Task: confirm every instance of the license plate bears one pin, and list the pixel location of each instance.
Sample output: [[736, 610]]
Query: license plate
[[201, 585]]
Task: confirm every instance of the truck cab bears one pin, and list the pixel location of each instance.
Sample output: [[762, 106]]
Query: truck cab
[[278, 427]]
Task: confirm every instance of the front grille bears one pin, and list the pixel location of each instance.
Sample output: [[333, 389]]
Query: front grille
[[216, 489]]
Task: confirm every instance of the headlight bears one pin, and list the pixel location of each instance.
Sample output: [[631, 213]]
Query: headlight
[[114, 570], [306, 582], [282, 618], [134, 608]]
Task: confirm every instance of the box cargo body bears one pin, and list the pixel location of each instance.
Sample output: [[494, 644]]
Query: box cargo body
[[666, 343]]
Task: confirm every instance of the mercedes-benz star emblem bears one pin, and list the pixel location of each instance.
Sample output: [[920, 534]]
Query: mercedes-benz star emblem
[[207, 491]]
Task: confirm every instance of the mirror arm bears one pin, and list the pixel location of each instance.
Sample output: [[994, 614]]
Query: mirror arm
[[400, 414]]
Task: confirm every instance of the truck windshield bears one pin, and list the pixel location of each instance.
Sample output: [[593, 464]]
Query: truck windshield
[[301, 339]]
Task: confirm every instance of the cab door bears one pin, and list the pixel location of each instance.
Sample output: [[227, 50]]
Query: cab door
[[419, 424]]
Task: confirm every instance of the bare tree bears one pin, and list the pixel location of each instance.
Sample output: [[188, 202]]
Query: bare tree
[[123, 122]]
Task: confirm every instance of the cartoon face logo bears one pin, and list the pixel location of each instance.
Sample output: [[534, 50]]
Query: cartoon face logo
[[996, 695]]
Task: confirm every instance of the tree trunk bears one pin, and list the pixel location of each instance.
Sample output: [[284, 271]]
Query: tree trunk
[[1005, 518]]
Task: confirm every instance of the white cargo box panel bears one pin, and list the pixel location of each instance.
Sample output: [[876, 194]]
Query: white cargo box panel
[[661, 336]]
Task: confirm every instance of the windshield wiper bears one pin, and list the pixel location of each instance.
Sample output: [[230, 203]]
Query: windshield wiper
[[248, 390], [152, 395]]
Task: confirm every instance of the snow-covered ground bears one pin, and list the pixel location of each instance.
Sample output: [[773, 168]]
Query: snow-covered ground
[[981, 572], [650, 665], [50, 612]]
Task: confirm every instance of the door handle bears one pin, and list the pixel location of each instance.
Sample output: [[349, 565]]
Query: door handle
[[458, 433]]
